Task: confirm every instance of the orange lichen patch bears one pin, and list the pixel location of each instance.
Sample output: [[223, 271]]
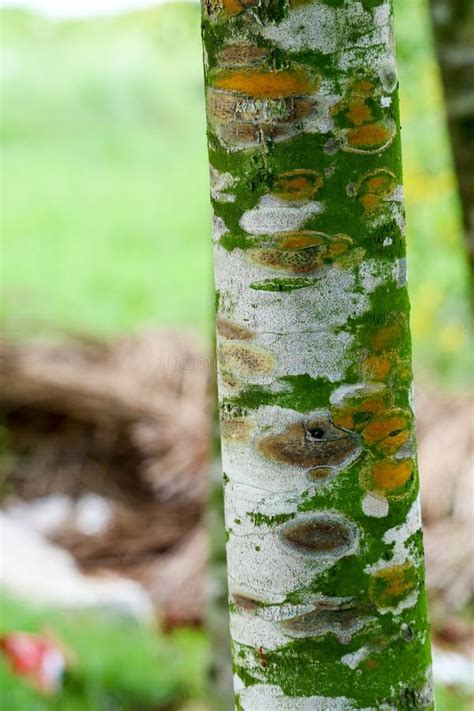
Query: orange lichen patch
[[375, 187], [358, 112], [339, 245], [320, 473], [392, 444], [371, 201], [233, 331], [371, 664], [301, 252], [389, 586], [390, 430], [377, 367], [301, 239], [330, 246], [245, 359], [344, 418], [293, 261], [359, 411], [405, 372], [235, 7], [316, 443], [236, 431], [265, 84], [362, 88], [232, 7], [300, 184], [230, 381], [242, 54], [388, 476], [370, 136], [319, 535], [388, 337], [374, 404]]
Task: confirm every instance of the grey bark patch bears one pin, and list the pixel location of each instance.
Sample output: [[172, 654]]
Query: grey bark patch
[[320, 534], [329, 616]]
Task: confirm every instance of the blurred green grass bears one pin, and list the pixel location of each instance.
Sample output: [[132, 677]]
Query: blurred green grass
[[121, 666], [105, 179], [105, 190]]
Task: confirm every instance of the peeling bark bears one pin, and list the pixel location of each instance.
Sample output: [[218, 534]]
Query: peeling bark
[[453, 23], [324, 542]]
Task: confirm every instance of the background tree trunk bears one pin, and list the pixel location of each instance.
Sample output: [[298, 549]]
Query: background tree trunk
[[324, 541], [453, 23]]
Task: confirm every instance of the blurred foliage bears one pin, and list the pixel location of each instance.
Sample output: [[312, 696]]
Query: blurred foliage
[[437, 260], [105, 194], [121, 666]]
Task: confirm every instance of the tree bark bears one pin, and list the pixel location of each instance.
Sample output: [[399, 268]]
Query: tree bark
[[324, 542], [453, 23]]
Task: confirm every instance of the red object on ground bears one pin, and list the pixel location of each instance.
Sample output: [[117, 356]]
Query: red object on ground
[[36, 658]]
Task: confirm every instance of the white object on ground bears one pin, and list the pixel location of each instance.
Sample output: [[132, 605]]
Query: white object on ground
[[90, 514], [453, 669], [34, 569]]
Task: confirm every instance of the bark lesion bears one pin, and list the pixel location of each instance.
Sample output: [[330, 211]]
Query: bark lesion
[[311, 443]]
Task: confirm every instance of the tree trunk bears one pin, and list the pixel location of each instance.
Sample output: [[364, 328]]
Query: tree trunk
[[324, 542], [453, 23]]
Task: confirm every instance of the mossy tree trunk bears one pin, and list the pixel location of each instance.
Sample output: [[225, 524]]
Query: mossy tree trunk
[[324, 541], [453, 22]]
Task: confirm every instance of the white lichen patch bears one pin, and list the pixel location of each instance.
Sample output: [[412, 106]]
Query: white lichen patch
[[263, 697], [401, 561], [375, 505], [312, 26], [373, 273], [387, 71], [320, 120], [326, 29], [301, 328], [315, 354], [399, 535], [353, 659], [259, 564], [265, 559], [407, 450], [254, 631], [343, 393], [221, 183], [219, 228], [402, 273], [273, 215]]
